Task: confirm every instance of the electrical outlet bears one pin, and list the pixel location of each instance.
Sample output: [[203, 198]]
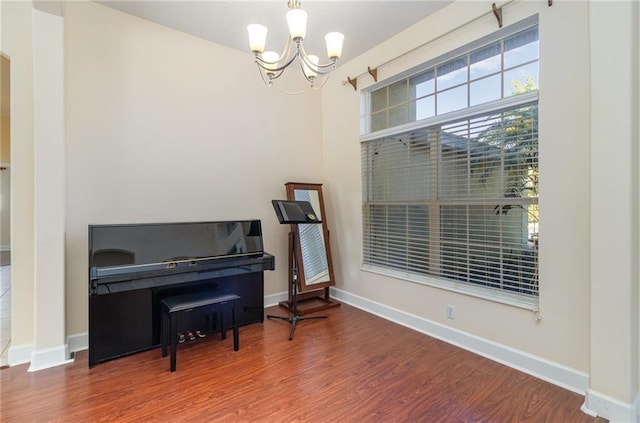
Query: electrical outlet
[[451, 312]]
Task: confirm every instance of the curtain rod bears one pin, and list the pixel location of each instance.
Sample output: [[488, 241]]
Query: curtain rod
[[459, 27]]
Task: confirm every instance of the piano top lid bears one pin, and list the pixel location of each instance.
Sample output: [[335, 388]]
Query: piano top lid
[[138, 246]]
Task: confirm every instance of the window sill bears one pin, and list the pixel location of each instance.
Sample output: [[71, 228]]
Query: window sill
[[527, 302]]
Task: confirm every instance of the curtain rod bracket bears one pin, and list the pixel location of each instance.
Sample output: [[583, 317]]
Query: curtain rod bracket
[[353, 82], [373, 72], [497, 11]]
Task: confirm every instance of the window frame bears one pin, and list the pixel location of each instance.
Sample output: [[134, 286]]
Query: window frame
[[505, 103]]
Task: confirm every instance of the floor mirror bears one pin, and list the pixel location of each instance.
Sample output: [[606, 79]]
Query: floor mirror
[[313, 252]]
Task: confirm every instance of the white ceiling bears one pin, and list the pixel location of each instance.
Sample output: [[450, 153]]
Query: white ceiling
[[363, 23]]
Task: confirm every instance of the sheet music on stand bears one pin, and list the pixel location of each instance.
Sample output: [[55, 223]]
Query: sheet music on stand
[[294, 212]]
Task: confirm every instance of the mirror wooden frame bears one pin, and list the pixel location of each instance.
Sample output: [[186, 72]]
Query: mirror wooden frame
[[311, 296]]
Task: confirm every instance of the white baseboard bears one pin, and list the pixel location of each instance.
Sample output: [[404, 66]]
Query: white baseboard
[[78, 342], [610, 408], [19, 354], [541, 368], [274, 299], [49, 357], [39, 360]]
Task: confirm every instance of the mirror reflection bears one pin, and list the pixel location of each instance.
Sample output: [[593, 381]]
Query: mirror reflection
[[312, 246]]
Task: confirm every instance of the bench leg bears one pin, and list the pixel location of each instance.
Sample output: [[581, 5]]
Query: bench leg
[[223, 330], [174, 341], [236, 337], [163, 333]]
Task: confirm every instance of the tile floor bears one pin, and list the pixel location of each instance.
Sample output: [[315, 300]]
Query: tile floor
[[5, 313]]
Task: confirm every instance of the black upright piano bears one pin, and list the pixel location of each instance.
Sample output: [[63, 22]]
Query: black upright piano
[[133, 266]]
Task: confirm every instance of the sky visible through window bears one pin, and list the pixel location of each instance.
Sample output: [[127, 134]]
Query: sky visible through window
[[490, 73]]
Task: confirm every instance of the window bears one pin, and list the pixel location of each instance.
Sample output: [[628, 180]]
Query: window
[[450, 171]]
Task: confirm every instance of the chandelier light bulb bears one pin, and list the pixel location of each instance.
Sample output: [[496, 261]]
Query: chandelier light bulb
[[257, 37], [334, 44], [270, 59], [297, 21]]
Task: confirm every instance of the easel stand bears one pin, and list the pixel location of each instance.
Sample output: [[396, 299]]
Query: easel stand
[[293, 291]]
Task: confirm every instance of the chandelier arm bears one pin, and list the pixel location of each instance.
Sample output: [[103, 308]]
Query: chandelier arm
[[324, 81], [324, 78], [286, 51], [320, 67], [269, 82], [304, 73], [313, 87], [262, 63], [289, 92], [266, 82], [276, 76], [271, 73]]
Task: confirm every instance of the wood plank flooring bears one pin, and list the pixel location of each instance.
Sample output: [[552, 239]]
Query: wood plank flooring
[[351, 367]]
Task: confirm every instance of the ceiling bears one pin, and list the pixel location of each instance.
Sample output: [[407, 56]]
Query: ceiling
[[364, 24]]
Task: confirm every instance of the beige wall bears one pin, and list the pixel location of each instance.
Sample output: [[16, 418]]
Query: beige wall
[[5, 92], [5, 154], [17, 46], [163, 126]]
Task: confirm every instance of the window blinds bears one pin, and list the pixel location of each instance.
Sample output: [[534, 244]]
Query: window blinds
[[456, 201]]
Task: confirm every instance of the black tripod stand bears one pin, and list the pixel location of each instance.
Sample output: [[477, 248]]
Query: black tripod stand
[[295, 318]]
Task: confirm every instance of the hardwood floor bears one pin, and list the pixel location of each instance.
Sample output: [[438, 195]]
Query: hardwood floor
[[351, 367]]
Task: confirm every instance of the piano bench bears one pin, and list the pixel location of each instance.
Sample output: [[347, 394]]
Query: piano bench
[[213, 301]]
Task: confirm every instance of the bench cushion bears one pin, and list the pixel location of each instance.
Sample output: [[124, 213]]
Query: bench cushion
[[197, 299]]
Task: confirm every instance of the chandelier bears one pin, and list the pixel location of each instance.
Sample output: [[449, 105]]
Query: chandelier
[[272, 65]]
